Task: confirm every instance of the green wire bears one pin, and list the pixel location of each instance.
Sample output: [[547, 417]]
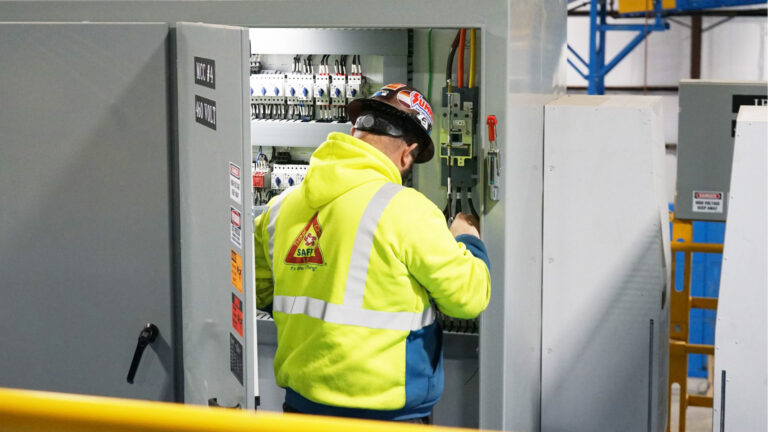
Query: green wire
[[429, 50]]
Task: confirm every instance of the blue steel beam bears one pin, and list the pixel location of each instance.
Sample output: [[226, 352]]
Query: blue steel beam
[[632, 27], [692, 5], [583, 75], [598, 27], [624, 52], [577, 56]]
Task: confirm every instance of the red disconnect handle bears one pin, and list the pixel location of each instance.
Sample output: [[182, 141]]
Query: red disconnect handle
[[491, 122]]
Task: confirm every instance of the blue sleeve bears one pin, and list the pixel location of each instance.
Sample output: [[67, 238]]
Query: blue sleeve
[[475, 246]]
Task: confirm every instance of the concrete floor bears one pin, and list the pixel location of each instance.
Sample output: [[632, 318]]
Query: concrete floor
[[697, 419]]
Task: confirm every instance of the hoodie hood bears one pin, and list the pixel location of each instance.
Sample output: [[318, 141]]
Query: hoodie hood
[[342, 163]]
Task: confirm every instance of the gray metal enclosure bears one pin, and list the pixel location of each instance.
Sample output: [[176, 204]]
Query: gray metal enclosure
[[523, 69], [707, 119], [85, 208]]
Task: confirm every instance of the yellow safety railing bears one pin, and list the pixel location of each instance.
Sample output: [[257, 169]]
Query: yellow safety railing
[[681, 303], [36, 411]]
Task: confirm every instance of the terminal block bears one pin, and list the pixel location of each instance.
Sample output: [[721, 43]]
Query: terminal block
[[456, 325]]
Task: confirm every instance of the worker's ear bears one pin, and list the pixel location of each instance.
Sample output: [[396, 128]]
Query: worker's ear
[[407, 156]]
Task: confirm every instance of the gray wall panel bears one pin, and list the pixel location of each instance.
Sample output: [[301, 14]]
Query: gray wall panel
[[606, 266]]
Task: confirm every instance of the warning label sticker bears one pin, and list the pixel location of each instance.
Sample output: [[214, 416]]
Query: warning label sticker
[[237, 314], [236, 270], [236, 358], [707, 202], [235, 229], [235, 186]]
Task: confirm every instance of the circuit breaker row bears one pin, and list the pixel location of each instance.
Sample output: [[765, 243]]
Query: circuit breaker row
[[304, 94], [278, 177], [270, 179]]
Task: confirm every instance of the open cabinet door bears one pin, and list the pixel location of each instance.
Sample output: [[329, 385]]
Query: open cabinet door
[[216, 232]]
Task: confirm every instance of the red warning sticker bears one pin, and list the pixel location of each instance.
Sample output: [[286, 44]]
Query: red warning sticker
[[237, 314], [235, 186], [707, 201], [235, 229]]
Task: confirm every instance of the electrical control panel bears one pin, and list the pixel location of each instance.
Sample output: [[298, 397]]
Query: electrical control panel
[[316, 89]]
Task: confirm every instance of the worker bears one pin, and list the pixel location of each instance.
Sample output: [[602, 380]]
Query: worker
[[350, 262]]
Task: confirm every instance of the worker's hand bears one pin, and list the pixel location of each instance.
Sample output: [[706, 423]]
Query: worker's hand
[[465, 223]]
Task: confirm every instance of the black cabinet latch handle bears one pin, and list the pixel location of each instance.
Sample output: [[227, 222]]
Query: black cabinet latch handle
[[147, 336], [214, 402]]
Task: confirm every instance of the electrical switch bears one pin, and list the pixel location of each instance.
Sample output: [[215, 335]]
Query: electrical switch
[[493, 166]]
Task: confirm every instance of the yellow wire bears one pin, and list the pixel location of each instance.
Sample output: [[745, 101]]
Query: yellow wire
[[471, 58]]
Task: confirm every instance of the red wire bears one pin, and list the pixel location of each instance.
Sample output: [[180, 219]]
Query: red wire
[[460, 66]]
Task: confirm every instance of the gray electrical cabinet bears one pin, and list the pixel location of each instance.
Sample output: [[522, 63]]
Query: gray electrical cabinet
[[86, 209], [119, 163], [707, 126]]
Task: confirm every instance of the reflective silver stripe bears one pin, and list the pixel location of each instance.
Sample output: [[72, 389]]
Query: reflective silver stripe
[[352, 312], [361, 249], [351, 315], [274, 210]]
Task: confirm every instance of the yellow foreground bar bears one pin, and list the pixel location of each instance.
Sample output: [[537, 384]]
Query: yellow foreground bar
[[35, 411]]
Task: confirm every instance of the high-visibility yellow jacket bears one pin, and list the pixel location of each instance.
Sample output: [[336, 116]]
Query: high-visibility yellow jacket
[[347, 262]]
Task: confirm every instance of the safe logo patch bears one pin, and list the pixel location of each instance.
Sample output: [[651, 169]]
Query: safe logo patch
[[306, 248]]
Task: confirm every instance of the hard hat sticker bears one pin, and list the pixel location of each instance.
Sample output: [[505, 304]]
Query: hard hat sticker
[[393, 86], [421, 105]]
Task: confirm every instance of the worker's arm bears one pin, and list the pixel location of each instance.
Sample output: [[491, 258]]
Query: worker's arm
[[454, 271], [466, 229], [264, 282]]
